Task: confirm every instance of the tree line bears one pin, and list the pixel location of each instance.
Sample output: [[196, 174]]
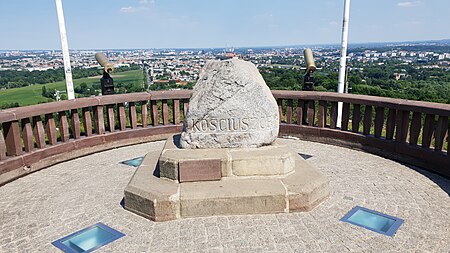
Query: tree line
[[15, 79], [422, 84]]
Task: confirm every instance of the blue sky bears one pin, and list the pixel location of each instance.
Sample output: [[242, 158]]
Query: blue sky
[[103, 24]]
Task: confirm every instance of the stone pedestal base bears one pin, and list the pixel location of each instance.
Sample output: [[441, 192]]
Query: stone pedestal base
[[292, 186], [190, 165]]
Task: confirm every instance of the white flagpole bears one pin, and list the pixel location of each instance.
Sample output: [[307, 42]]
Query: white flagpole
[[343, 61], [65, 50]]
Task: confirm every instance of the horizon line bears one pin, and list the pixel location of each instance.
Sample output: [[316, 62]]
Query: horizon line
[[249, 47]]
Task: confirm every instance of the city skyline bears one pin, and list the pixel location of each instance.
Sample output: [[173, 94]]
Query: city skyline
[[131, 24]]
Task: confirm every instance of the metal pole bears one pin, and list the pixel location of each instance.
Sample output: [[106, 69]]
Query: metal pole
[[65, 50], [343, 61], [347, 71]]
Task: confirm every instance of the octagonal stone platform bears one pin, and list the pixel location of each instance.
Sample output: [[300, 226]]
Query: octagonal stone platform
[[161, 199], [186, 165]]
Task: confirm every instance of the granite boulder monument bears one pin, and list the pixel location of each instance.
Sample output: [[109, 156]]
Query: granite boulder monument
[[231, 107]]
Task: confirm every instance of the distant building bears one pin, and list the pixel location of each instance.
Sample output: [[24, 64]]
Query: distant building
[[399, 76]]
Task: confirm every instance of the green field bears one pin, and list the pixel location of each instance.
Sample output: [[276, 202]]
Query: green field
[[33, 94]]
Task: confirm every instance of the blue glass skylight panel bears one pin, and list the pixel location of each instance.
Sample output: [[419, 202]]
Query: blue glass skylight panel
[[373, 220], [88, 239], [135, 162]]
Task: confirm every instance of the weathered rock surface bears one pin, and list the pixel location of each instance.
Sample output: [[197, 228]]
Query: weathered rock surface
[[231, 107]]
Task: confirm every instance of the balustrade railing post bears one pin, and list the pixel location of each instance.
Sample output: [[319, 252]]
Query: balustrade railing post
[[165, 112], [133, 115], [441, 131], [27, 135], [448, 140], [154, 112], [50, 128], [416, 125], [402, 124], [356, 119], [390, 124], [12, 138], [379, 121], [38, 131], [322, 113], [428, 130], [2, 147], [63, 126], [289, 111], [345, 116], [75, 123], [176, 111], [122, 116], [111, 120], [99, 120], [280, 109], [311, 112], [333, 115], [87, 121], [367, 119], [144, 113], [300, 109]]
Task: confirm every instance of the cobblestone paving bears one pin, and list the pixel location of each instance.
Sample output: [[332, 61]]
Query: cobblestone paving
[[47, 205]]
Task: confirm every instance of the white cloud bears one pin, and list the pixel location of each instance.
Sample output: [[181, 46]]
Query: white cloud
[[144, 2], [131, 9], [127, 9], [143, 6], [409, 4]]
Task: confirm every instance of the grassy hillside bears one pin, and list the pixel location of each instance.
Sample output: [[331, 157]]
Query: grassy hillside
[[33, 94]]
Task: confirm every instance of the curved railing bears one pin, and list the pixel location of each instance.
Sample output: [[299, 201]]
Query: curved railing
[[408, 131], [38, 136]]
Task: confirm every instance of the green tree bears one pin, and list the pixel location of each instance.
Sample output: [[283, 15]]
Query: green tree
[[44, 91]]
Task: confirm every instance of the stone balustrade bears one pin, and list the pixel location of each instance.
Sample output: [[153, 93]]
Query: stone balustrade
[[408, 131], [38, 136], [35, 137]]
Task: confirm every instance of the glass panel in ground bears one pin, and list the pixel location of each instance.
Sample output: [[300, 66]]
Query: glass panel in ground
[[372, 220], [89, 239], [135, 162]]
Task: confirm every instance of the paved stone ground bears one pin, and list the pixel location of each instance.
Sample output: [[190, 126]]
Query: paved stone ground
[[47, 205]]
